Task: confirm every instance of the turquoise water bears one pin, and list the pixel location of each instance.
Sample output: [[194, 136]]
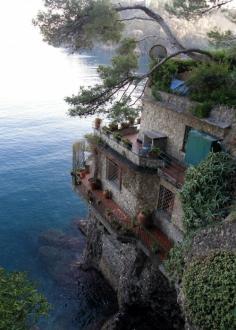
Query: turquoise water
[[36, 138]]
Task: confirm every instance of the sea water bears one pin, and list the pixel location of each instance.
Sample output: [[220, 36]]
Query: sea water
[[36, 137]]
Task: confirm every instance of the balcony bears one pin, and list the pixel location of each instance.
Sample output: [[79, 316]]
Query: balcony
[[135, 154], [167, 166], [152, 241]]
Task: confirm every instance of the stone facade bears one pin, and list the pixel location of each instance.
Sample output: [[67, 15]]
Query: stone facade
[[171, 118], [171, 226], [138, 188]]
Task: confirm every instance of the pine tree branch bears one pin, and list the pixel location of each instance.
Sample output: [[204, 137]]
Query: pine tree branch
[[185, 51], [136, 18], [216, 6], [159, 19]]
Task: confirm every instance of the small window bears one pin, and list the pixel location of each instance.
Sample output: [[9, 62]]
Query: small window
[[113, 173], [166, 201], [186, 134]]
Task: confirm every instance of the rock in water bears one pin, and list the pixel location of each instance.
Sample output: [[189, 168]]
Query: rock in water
[[57, 238]]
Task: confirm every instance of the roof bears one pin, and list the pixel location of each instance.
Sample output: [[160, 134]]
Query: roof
[[154, 134]]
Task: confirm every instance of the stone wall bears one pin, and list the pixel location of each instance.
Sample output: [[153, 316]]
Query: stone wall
[[171, 119], [138, 188], [173, 226]]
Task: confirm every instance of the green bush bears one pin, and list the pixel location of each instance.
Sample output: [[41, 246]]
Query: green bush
[[175, 262], [20, 303], [208, 191], [213, 81], [210, 292], [202, 110]]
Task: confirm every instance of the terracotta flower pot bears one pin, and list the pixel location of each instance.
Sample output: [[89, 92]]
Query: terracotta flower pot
[[82, 174], [107, 194], [144, 219], [98, 123], [125, 125], [113, 127], [94, 184]]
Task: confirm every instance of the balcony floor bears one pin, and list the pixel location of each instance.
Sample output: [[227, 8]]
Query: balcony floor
[[147, 236]]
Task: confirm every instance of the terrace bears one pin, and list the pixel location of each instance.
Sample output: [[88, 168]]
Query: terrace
[[119, 223], [136, 153]]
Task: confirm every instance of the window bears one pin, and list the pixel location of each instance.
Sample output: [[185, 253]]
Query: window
[[186, 134], [113, 173], [166, 200]]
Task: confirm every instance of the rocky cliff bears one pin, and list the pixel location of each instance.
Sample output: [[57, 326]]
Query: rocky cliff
[[145, 297]]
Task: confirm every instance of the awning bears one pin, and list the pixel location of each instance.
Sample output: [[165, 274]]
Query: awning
[[153, 135]]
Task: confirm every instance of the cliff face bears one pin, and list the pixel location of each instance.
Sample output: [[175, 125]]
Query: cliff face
[[146, 300]]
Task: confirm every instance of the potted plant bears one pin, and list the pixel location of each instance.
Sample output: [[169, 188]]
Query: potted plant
[[125, 125], [106, 130], [107, 194], [108, 212], [95, 184], [154, 152], [127, 143], [113, 126], [131, 121], [144, 217], [117, 136], [98, 123], [155, 248]]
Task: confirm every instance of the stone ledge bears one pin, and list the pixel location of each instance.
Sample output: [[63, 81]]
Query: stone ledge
[[221, 116]]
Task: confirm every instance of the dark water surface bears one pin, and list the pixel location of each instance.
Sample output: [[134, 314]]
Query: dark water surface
[[36, 138]]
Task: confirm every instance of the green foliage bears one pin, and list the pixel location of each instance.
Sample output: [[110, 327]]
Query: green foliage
[[175, 262], [79, 24], [20, 304], [208, 191], [121, 112], [210, 292], [210, 83], [117, 136], [202, 110], [123, 64], [114, 77], [162, 77], [93, 140], [215, 82], [190, 9], [220, 39]]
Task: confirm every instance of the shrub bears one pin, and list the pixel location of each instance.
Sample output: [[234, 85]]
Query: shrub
[[208, 191], [175, 262], [20, 303], [121, 112], [162, 77], [210, 292], [202, 110], [214, 81]]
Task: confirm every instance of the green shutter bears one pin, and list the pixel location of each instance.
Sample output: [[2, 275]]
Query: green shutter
[[198, 146]]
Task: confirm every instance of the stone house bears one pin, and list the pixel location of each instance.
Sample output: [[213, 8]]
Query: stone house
[[137, 180]]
